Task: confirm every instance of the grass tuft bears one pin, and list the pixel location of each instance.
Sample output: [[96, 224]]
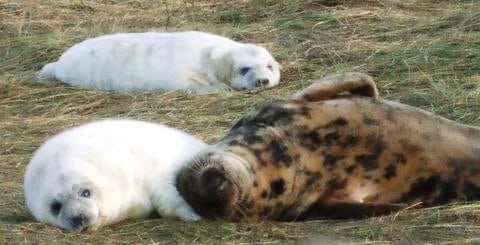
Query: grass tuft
[[228, 14]]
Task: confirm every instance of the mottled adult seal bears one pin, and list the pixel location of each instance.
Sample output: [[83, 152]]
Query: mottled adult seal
[[333, 150]]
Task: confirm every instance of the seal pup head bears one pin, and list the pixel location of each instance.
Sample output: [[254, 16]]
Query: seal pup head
[[69, 192], [252, 66], [63, 197]]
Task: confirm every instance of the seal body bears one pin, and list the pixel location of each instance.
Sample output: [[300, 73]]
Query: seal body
[[106, 171], [324, 154], [194, 61]]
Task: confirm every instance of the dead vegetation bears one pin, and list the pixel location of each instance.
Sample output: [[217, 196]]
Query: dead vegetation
[[422, 53]]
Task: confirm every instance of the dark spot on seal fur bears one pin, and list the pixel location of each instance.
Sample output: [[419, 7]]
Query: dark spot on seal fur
[[313, 177], [339, 122], [307, 172], [335, 184], [256, 152], [332, 138], [448, 192], [279, 154], [270, 114], [310, 140], [277, 188], [375, 143], [274, 113], [471, 191], [390, 171], [367, 161], [264, 194], [423, 187], [350, 169], [371, 121], [349, 141], [331, 160]]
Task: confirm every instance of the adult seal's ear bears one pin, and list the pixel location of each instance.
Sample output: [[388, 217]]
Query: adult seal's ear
[[339, 85]]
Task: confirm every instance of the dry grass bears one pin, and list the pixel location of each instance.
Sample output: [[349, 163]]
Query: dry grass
[[422, 53]]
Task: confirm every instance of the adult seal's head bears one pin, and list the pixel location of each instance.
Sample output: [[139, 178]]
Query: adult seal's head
[[214, 182]]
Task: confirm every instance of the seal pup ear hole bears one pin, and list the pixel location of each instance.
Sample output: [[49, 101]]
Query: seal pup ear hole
[[339, 85]]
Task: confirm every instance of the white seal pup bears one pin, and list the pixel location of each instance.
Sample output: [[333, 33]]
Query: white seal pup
[[194, 61], [106, 171]]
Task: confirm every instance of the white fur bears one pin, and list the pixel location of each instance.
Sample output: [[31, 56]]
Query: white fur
[[129, 167], [194, 61]]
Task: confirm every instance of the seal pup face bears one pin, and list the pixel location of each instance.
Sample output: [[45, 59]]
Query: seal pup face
[[65, 196], [253, 66]]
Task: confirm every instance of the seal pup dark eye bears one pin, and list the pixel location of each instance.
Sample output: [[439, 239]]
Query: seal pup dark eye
[[244, 70], [55, 207], [85, 193], [270, 67]]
